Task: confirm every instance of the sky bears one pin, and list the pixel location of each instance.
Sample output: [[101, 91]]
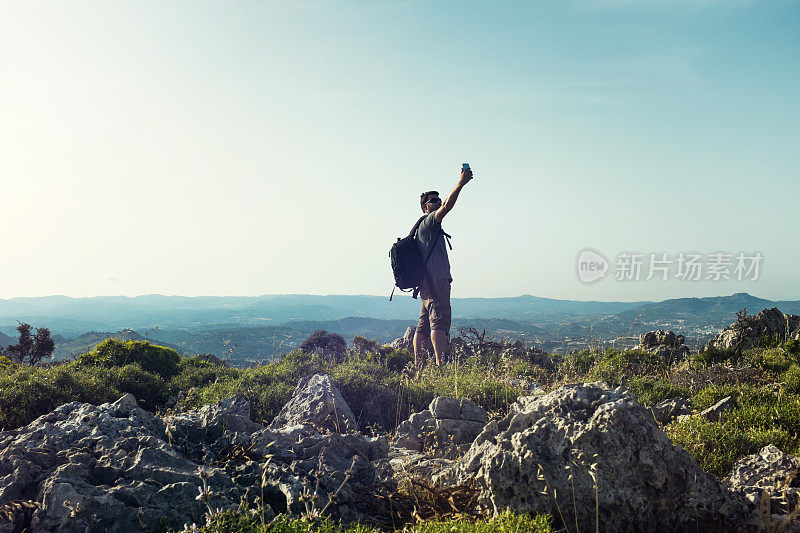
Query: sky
[[247, 148]]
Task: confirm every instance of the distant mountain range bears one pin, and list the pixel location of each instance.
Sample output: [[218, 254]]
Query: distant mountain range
[[74, 316], [256, 328]]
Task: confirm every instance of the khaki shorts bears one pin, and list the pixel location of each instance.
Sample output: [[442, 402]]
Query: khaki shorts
[[435, 313]]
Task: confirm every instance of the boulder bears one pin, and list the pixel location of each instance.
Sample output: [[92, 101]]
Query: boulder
[[317, 402], [553, 447], [713, 413], [746, 333], [664, 343], [406, 342], [198, 431], [446, 428], [296, 458], [667, 410]]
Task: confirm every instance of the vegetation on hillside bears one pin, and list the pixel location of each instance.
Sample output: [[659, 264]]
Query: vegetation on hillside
[[382, 390]]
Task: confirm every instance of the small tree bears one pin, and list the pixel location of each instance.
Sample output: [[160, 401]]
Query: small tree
[[31, 348], [331, 346]]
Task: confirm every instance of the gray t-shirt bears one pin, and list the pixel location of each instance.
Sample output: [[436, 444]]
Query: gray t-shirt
[[439, 264]]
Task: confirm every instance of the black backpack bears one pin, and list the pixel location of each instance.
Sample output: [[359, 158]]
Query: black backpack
[[408, 266]]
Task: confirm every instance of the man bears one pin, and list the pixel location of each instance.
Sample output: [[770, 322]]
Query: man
[[434, 316]]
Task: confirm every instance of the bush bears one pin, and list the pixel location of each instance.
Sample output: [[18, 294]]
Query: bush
[[6, 365], [397, 360], [791, 380], [150, 357], [330, 345], [148, 388], [772, 360], [195, 372], [711, 356], [31, 392], [792, 347]]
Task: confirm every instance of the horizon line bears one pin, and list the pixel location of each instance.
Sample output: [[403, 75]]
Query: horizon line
[[377, 296]]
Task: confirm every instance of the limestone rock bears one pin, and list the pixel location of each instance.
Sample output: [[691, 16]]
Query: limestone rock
[[671, 408], [112, 462], [548, 443], [406, 342], [769, 472], [664, 343], [317, 402], [447, 427], [300, 454], [713, 413], [747, 335]]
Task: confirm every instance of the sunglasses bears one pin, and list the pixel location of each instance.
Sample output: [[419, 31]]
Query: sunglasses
[[434, 201]]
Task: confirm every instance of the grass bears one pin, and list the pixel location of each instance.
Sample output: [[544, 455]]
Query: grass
[[244, 522]]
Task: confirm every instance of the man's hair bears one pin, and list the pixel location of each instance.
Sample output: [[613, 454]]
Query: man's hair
[[423, 198]]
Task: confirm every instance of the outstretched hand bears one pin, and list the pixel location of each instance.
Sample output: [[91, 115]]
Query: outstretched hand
[[466, 176]]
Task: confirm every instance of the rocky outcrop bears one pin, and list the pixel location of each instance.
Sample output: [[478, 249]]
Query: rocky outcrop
[[317, 402], [770, 473], [747, 332], [664, 343], [406, 342], [553, 448], [116, 467], [446, 428], [110, 464]]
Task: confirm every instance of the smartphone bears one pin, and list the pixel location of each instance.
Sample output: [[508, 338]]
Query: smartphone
[[464, 166]]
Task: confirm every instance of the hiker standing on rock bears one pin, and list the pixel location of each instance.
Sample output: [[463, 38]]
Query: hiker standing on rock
[[434, 316]]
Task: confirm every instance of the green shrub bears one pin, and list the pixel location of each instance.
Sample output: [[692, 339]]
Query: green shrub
[[711, 356], [194, 372], [710, 395], [152, 358], [577, 363], [31, 392], [792, 347], [267, 387], [772, 360], [397, 360], [6, 365], [148, 388], [791, 379], [760, 418], [371, 391]]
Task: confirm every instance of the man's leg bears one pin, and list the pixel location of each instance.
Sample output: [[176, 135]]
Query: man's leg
[[420, 341], [439, 340], [440, 314], [421, 336]]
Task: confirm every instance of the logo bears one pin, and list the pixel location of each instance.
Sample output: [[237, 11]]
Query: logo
[[591, 266]]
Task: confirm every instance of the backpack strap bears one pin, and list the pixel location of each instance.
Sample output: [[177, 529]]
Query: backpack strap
[[448, 239], [414, 229], [430, 253]]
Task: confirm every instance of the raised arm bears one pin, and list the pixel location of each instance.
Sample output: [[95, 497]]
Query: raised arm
[[450, 201]]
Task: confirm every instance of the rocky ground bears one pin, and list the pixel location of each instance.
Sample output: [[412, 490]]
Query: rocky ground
[[592, 450]]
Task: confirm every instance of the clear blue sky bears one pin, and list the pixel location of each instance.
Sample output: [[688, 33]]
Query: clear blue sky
[[245, 148]]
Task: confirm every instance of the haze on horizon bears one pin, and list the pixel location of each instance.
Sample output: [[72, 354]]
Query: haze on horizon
[[209, 148]]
